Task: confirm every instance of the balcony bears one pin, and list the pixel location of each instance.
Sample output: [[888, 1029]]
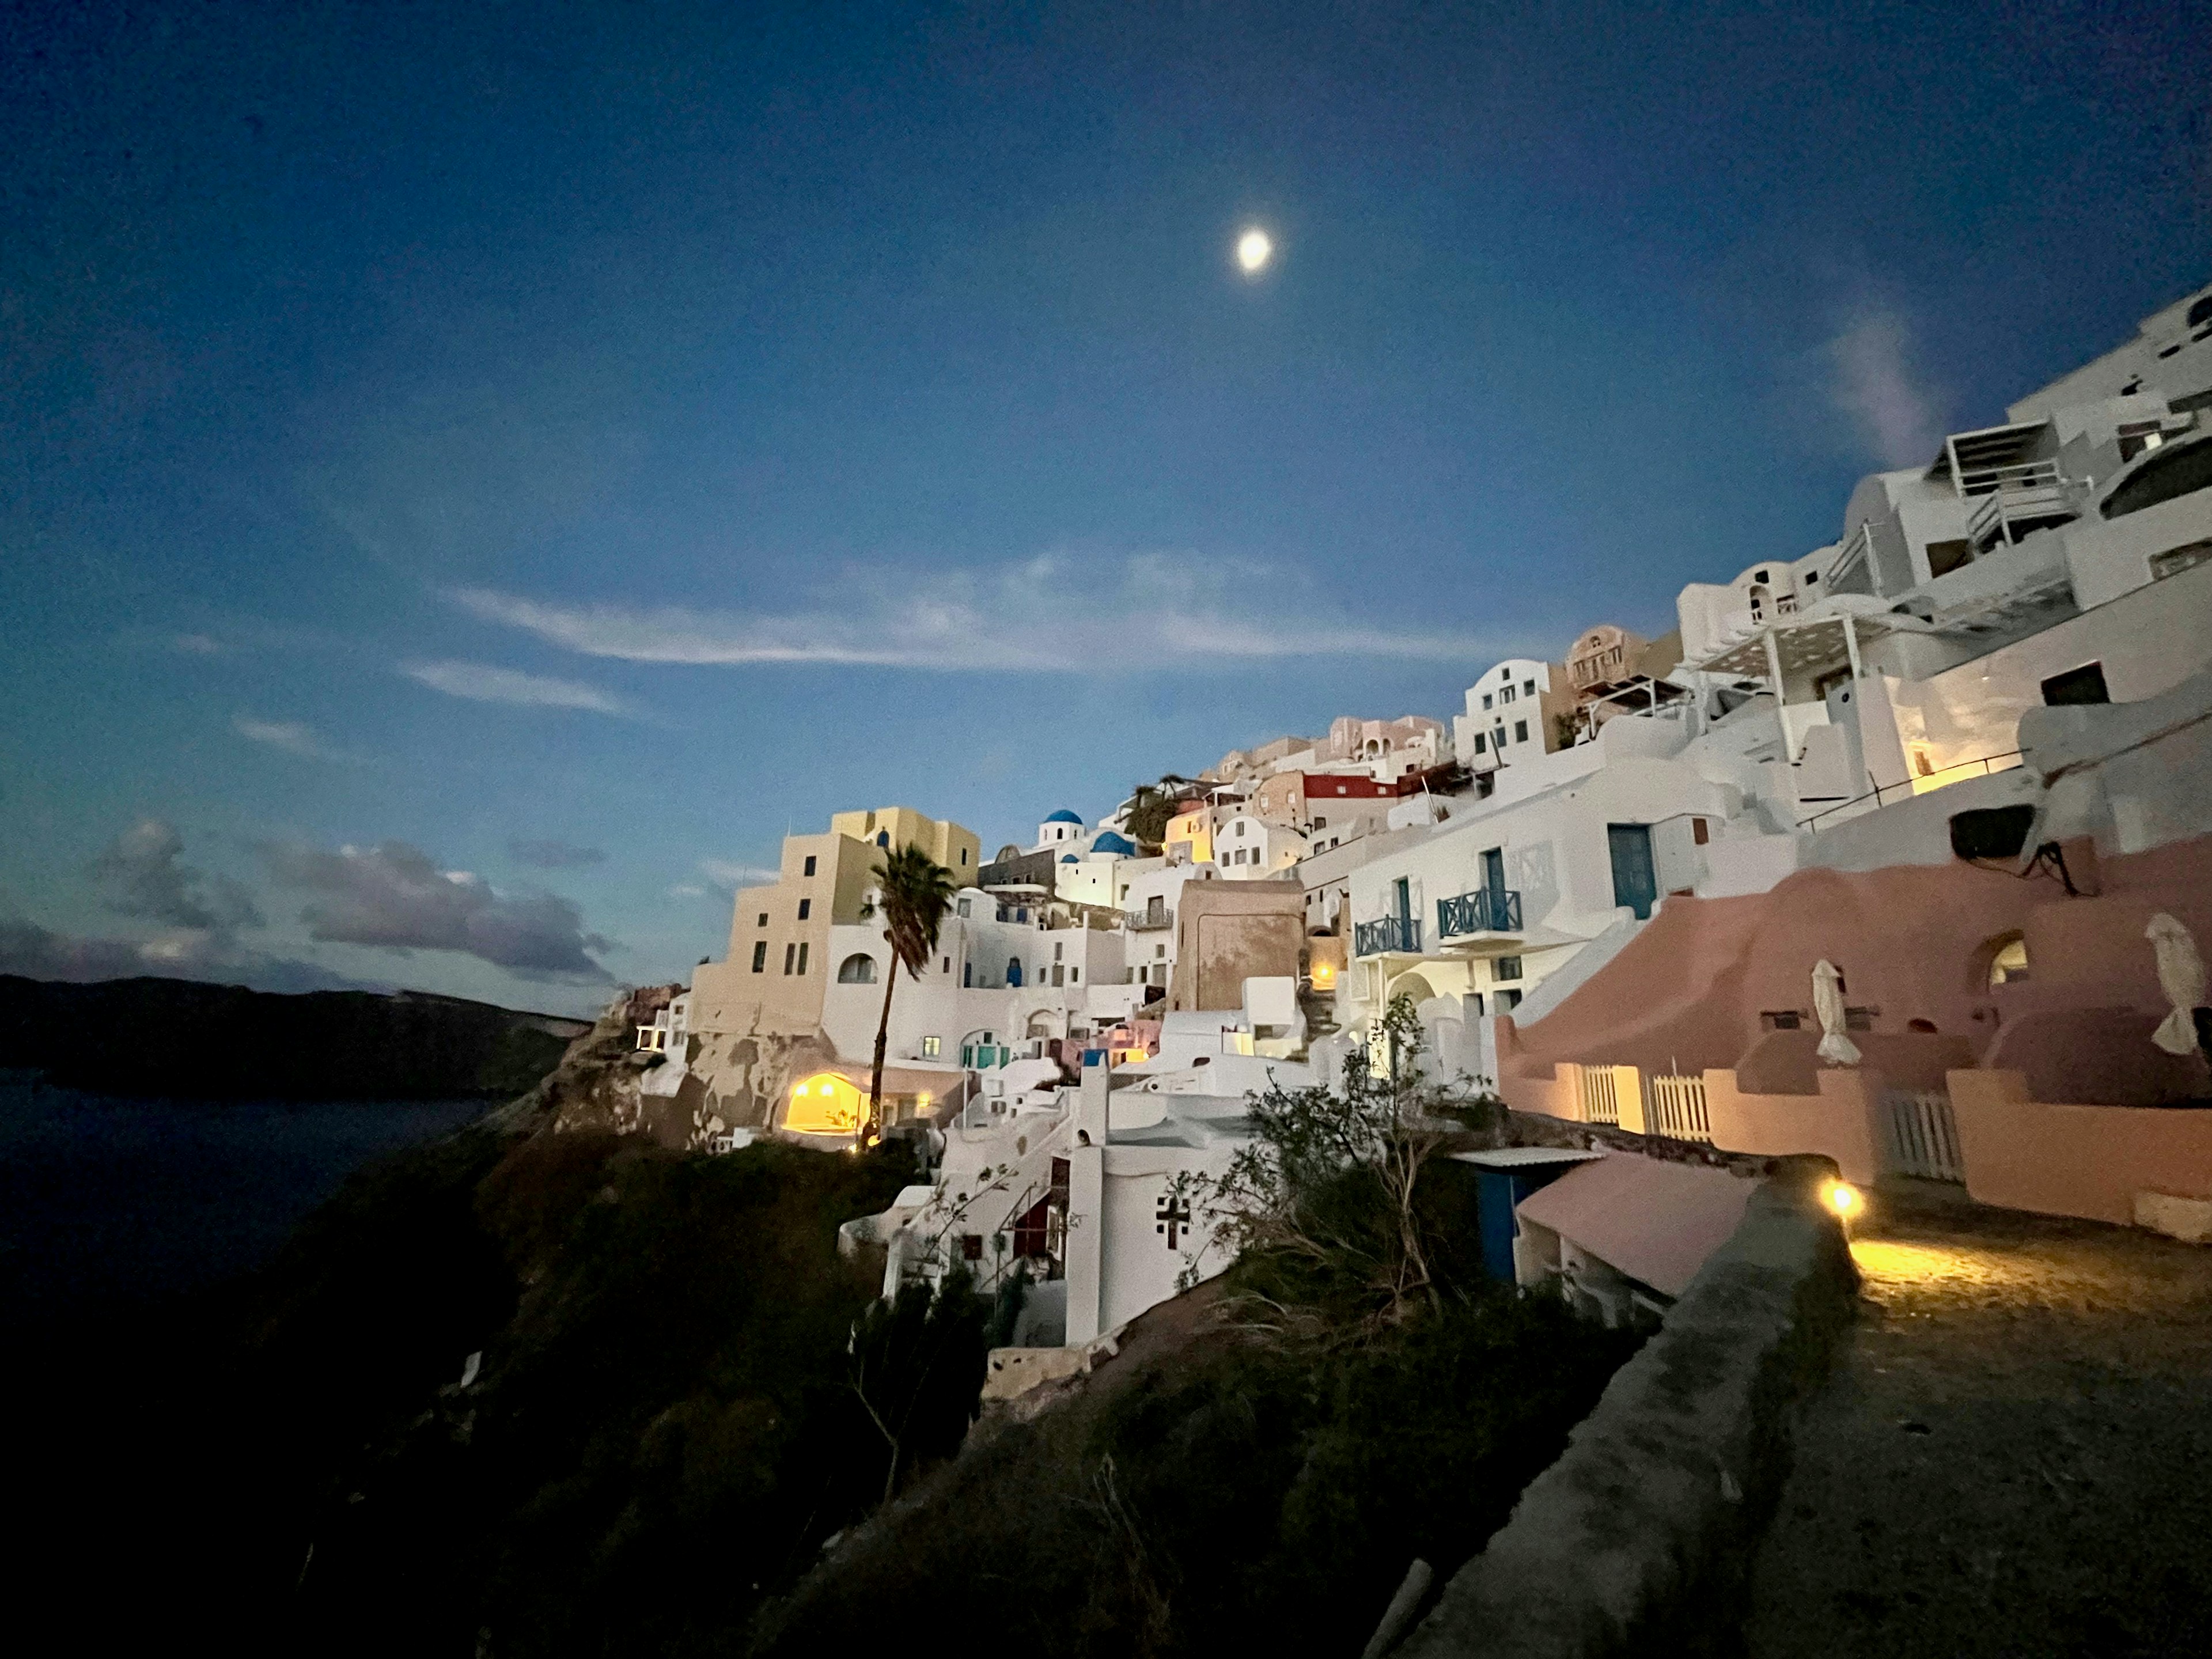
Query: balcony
[[1399, 934], [2015, 500], [1484, 910]]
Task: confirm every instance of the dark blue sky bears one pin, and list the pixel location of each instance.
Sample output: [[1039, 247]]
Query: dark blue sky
[[565, 445]]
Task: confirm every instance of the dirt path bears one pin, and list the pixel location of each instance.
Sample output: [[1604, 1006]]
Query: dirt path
[[2015, 1454]]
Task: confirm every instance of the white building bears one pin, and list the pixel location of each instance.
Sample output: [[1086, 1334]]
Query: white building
[[1246, 847], [1514, 712]]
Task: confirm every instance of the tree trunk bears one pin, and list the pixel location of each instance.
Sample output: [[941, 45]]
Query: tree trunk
[[876, 1073]]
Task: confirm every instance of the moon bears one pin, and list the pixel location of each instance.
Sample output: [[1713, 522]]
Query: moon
[[1254, 250]]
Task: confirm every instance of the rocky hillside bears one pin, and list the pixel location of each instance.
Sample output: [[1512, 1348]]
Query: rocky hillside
[[169, 1037]]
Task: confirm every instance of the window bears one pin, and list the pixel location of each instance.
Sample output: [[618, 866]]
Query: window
[[1320, 824], [946, 966], [1505, 968], [1944, 557], [790, 955], [1700, 832], [1528, 688], [882, 837], [963, 855], [1520, 731], [1059, 953], [859, 969], [1482, 743], [1239, 828], [962, 907], [1761, 577], [1508, 1000], [1812, 578], [760, 954], [1780, 1019], [1504, 673], [971, 1247], [802, 957], [805, 908], [2175, 560], [1505, 695], [932, 1047], [2076, 686], [1075, 977], [1487, 699], [763, 922], [2007, 960], [809, 869]]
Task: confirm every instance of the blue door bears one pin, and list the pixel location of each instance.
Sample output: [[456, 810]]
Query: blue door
[[1634, 879]]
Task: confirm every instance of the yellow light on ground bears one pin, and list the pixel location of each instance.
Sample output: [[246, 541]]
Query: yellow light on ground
[[1844, 1200], [1254, 250]]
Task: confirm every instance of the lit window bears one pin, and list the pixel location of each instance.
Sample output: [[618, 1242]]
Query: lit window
[[932, 1047], [2009, 961]]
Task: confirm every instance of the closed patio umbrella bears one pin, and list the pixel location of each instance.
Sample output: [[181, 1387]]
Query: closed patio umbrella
[[2181, 977], [1828, 1004]]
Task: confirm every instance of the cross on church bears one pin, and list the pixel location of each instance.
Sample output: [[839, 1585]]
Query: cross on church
[[1173, 1216]]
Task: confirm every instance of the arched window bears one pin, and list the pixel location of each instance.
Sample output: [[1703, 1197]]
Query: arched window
[[858, 968], [882, 837], [1758, 597], [2007, 957], [1013, 971]]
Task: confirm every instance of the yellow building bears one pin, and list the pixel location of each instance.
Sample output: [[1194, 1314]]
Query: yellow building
[[1194, 830], [772, 981]]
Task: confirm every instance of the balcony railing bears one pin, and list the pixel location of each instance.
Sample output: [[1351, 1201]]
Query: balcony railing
[[2008, 513], [1486, 910], [1399, 934]]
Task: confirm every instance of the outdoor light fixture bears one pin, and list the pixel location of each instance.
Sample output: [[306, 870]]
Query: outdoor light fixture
[[1844, 1200]]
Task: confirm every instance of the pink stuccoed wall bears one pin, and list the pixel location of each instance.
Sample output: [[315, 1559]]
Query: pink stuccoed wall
[[1685, 994], [1839, 1119], [2074, 1160]]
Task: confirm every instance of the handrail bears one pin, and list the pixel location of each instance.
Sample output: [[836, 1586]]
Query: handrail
[[1911, 785], [1399, 934], [1484, 910]]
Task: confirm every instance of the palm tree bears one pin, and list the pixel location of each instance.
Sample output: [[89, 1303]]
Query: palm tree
[[913, 891]]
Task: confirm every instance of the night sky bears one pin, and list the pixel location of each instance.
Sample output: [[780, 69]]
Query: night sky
[[471, 475]]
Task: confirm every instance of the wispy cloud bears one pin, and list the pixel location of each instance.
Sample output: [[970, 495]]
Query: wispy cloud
[[483, 683], [1048, 615], [725, 874], [1876, 384], [293, 737], [555, 854], [198, 645]]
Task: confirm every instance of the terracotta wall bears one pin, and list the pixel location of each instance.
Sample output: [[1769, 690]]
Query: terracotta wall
[[1840, 1120], [2074, 1160], [1686, 994]]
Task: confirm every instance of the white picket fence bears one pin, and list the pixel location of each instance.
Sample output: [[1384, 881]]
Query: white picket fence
[[1675, 1106], [1922, 1139], [1597, 1088]]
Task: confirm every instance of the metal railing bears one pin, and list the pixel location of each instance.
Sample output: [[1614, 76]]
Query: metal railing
[[1484, 910], [1399, 934], [2021, 475], [1675, 1106], [1922, 1137], [1987, 765]]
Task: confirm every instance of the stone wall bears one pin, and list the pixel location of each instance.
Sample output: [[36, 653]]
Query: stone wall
[[1638, 1539]]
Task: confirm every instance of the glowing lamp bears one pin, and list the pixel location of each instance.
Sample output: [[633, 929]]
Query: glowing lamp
[[1844, 1200]]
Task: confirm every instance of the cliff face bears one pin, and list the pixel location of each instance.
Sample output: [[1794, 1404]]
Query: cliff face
[[167, 1036]]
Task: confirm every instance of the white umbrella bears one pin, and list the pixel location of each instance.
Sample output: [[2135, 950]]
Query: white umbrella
[[2181, 977], [1828, 1004]]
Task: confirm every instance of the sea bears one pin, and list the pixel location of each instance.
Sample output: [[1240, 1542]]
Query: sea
[[108, 1201]]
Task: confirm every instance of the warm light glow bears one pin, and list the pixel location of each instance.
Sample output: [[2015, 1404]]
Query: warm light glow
[[1254, 250], [825, 1104], [1844, 1198], [1324, 976]]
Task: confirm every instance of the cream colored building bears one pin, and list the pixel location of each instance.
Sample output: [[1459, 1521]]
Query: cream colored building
[[757, 1014]]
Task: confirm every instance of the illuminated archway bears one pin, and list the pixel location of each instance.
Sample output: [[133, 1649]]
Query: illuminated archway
[[826, 1103]]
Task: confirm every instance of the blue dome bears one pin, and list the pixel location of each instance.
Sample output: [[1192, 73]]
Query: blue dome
[[1107, 842], [1063, 815], [1069, 858]]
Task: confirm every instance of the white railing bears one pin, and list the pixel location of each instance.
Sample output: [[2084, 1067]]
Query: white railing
[[2039, 504], [1675, 1106], [1922, 1139], [2025, 475], [1596, 1094]]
